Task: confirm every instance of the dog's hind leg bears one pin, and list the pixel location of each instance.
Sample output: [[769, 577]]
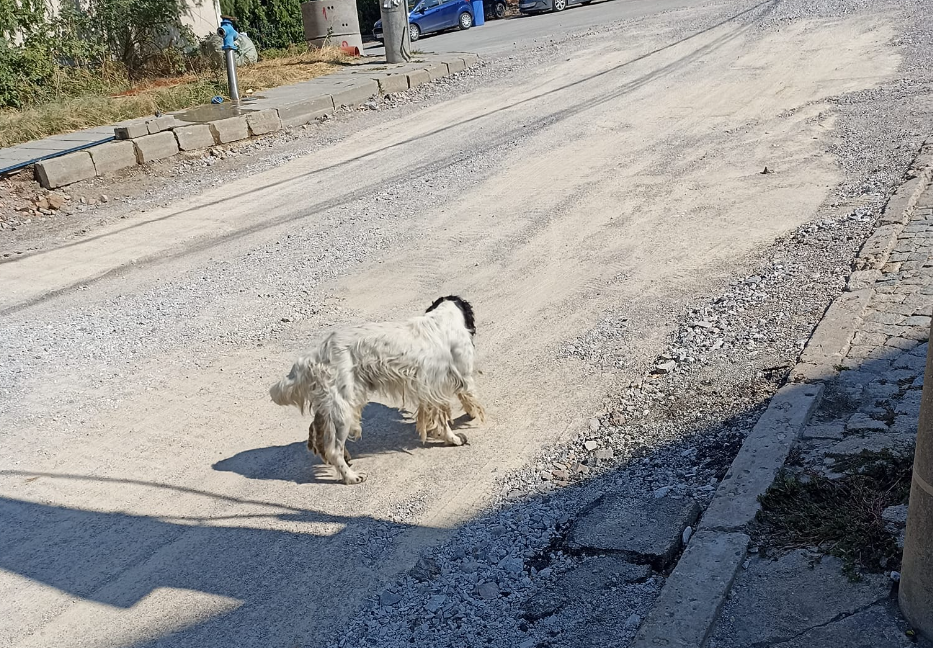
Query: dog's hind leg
[[471, 406], [335, 442]]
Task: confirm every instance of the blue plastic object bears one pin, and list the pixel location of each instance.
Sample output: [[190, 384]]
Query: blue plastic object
[[228, 33], [479, 13], [217, 99]]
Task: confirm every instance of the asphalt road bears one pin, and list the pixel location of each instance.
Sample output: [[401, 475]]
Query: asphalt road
[[498, 36], [152, 495]]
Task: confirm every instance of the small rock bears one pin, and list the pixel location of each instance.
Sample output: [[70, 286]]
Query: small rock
[[895, 517], [55, 200], [487, 591], [425, 569], [594, 425], [632, 622], [662, 492], [604, 453], [591, 445], [387, 598], [435, 603], [688, 532], [105, 198], [896, 576], [560, 475], [665, 367]]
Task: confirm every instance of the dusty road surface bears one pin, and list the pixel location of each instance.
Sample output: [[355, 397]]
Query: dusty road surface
[[152, 495]]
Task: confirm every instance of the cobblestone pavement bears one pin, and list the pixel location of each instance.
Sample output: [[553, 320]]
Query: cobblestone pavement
[[869, 410]]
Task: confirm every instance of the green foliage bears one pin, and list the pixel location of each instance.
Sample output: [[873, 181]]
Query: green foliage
[[368, 11], [269, 23], [83, 50]]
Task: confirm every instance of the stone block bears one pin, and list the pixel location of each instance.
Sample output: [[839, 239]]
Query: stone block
[[436, 70], [643, 531], [355, 94], [159, 124], [66, 169], [302, 112], [417, 77], [113, 156], [230, 129], [393, 83], [197, 136], [131, 131], [264, 121], [762, 454], [455, 65], [155, 147], [470, 59], [830, 341], [692, 597]]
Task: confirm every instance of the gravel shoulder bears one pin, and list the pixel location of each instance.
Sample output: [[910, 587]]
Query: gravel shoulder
[[608, 216]]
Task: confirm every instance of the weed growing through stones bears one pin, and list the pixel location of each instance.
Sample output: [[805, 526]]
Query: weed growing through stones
[[841, 517]]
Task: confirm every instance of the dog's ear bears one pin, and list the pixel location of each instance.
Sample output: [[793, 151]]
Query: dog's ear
[[291, 390]]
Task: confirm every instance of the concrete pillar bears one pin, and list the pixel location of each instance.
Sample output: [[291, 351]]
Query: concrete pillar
[[395, 34], [916, 589]]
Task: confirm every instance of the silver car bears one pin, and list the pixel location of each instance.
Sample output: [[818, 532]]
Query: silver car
[[540, 6]]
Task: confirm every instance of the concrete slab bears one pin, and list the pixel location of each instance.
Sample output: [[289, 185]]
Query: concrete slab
[[131, 131], [113, 156], [776, 599], [159, 124], [65, 170], [263, 121], [689, 604], [196, 136], [355, 93], [436, 70], [301, 112], [392, 83], [644, 531], [155, 147], [417, 77], [230, 129], [763, 453], [876, 627], [830, 341]]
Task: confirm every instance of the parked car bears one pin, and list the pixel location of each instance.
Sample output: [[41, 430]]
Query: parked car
[[434, 15], [494, 9], [539, 6]]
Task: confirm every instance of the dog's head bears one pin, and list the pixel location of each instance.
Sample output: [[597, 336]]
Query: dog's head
[[462, 305], [293, 388]]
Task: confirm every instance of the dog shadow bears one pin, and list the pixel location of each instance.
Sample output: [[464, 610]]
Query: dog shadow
[[385, 429]]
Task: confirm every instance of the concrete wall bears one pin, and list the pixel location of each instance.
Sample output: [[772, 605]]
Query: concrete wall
[[202, 16]]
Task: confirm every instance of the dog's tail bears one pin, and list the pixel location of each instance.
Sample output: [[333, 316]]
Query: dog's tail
[[299, 386]]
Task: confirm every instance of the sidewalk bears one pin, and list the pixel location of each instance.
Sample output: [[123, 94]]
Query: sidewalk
[[817, 566], [63, 159]]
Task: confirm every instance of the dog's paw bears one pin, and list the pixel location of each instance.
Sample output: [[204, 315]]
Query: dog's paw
[[354, 478], [463, 439]]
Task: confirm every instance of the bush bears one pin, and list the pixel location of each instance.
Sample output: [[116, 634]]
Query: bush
[[84, 51], [269, 23]]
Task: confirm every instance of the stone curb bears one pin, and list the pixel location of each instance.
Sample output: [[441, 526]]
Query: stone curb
[[691, 599], [150, 137]]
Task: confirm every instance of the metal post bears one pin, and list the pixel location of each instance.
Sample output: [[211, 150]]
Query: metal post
[[395, 33], [230, 60], [916, 589]]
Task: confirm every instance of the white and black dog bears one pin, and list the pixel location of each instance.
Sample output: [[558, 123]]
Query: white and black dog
[[423, 362]]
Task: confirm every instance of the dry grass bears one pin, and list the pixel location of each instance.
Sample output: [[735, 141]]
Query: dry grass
[[125, 101]]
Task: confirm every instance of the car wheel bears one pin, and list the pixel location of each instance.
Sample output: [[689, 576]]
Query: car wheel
[[559, 5], [499, 9], [414, 32], [466, 20]]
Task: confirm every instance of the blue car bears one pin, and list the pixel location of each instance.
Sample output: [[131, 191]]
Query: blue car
[[434, 15]]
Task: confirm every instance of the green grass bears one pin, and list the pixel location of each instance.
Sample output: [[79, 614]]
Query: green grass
[[101, 100], [840, 517]]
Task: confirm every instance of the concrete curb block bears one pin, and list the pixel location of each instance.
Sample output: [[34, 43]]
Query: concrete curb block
[[692, 597], [162, 137], [66, 169], [113, 156], [689, 605]]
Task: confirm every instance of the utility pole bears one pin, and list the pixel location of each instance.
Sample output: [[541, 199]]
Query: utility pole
[[395, 33], [916, 589]]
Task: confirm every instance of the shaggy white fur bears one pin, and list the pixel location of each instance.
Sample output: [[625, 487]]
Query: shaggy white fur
[[423, 362]]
